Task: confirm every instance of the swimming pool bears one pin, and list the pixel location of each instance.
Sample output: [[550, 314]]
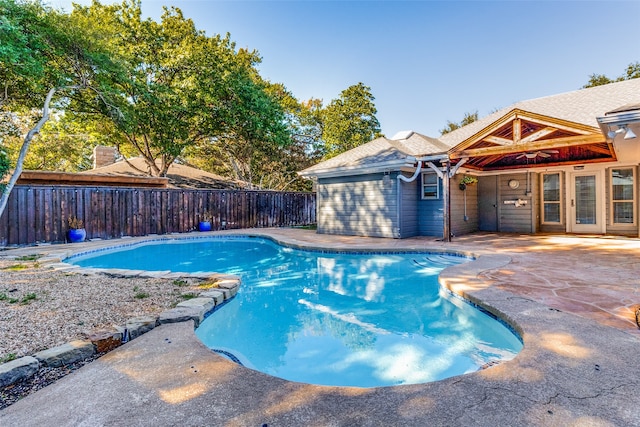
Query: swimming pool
[[321, 317]]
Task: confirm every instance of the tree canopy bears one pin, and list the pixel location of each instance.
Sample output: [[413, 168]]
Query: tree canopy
[[467, 119], [45, 61], [350, 120], [162, 90], [179, 88], [632, 72]]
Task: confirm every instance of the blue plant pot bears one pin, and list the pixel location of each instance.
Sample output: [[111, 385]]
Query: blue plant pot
[[77, 235], [204, 226]]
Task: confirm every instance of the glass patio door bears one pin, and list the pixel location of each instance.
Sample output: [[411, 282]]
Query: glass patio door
[[585, 203]]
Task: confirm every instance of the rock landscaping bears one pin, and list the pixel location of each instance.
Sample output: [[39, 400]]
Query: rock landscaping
[[30, 372]]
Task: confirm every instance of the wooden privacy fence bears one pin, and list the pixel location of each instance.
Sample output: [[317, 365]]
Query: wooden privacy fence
[[37, 214]]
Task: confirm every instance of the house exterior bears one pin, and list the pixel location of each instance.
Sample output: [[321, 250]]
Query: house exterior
[[562, 163]]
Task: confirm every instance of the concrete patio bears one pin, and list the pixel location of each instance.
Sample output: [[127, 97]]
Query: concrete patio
[[572, 298]]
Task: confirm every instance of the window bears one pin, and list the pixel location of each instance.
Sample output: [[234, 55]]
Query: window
[[430, 186], [551, 191], [622, 196]]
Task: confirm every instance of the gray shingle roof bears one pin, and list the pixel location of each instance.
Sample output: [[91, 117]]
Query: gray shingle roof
[[580, 106], [180, 176], [381, 151]]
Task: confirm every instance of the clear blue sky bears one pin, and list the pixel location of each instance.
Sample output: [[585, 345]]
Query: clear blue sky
[[426, 62]]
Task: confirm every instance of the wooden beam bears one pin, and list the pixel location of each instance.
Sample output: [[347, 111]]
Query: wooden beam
[[497, 140], [569, 127], [485, 161], [545, 165], [537, 135], [597, 149], [517, 131], [487, 131], [570, 141]]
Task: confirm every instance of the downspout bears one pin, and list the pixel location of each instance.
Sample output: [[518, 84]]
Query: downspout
[[399, 178]]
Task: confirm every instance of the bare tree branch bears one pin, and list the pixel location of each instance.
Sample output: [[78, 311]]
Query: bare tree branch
[[23, 151]]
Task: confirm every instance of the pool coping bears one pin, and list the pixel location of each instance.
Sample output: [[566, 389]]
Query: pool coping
[[571, 370]]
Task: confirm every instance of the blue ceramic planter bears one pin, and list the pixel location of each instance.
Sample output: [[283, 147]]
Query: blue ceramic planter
[[204, 226], [77, 235]]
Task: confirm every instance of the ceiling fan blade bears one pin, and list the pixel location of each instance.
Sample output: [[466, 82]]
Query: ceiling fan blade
[[520, 156], [543, 154]]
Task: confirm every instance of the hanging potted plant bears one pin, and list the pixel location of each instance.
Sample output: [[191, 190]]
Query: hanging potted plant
[[205, 222], [467, 180], [77, 233]]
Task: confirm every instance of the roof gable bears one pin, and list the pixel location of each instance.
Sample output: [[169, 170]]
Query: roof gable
[[522, 138], [379, 153]]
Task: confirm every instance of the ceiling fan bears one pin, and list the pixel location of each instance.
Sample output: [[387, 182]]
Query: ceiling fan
[[543, 154]]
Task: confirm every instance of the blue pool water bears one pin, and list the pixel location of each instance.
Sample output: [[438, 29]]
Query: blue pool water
[[326, 318]]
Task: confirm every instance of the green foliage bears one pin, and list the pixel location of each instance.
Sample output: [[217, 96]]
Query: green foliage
[[467, 119], [24, 33], [63, 145], [350, 120], [5, 166], [16, 267], [180, 92], [29, 257], [8, 357], [163, 90], [468, 180], [28, 298], [43, 53], [24, 301], [141, 295], [632, 72]]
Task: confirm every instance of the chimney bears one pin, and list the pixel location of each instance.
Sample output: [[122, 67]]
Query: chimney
[[103, 156]]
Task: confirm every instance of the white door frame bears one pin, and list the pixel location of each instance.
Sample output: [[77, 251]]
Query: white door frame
[[600, 226]]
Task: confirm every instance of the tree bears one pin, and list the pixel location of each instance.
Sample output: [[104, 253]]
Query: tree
[[632, 72], [306, 147], [42, 54], [255, 131], [180, 90], [307, 126], [22, 66], [467, 119], [62, 145], [350, 120]]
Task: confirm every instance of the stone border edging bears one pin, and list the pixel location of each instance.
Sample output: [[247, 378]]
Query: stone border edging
[[225, 287]]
